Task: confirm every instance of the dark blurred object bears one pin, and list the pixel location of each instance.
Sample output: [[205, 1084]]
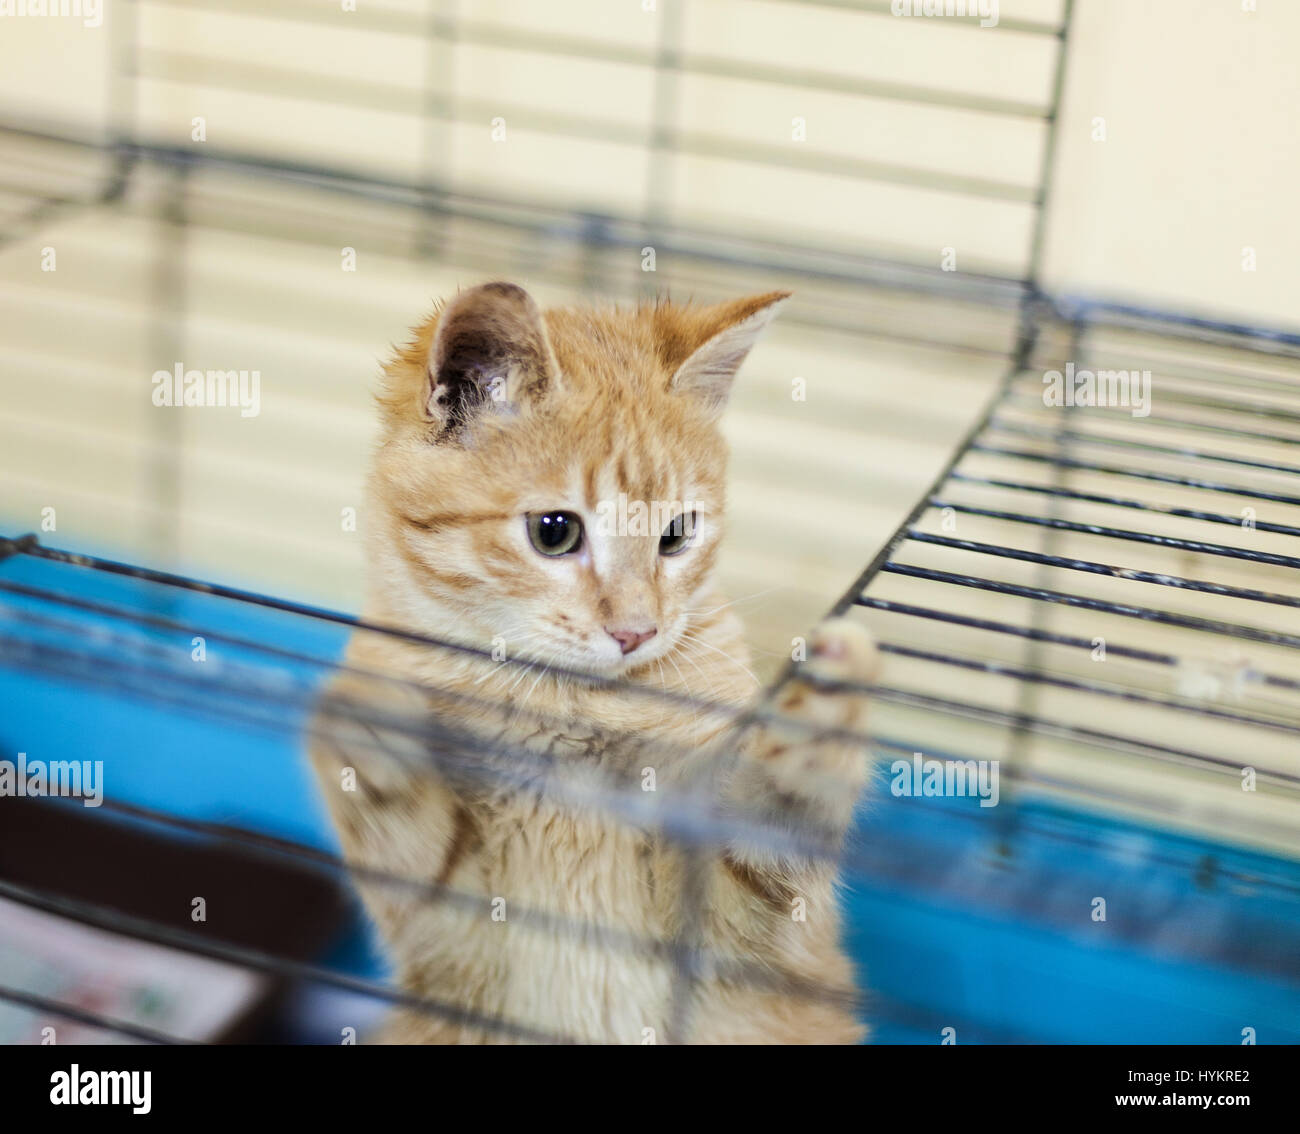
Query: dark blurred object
[[249, 901]]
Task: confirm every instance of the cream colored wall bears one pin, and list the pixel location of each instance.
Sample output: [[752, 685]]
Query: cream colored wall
[[1200, 158]]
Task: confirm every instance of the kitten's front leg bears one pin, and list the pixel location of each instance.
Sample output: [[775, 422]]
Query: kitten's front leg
[[777, 904], [788, 777], [390, 801]]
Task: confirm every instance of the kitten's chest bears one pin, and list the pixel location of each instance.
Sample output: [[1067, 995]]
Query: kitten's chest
[[579, 924], [559, 860]]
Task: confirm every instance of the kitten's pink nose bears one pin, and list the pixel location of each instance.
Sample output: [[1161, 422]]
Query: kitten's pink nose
[[628, 640]]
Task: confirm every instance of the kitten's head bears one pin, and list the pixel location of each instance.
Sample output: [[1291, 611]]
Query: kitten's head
[[553, 483]]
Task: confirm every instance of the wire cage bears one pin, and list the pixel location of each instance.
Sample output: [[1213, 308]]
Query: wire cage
[[1096, 600]]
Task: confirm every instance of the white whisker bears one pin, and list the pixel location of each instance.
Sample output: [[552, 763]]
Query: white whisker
[[733, 602], [721, 653]]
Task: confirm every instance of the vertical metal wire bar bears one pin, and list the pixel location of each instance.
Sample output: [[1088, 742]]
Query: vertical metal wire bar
[[437, 124], [1047, 166], [1028, 693], [1032, 309], [122, 94], [166, 345]]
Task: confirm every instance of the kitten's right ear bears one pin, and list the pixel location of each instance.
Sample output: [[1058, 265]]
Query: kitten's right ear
[[719, 339], [490, 352]]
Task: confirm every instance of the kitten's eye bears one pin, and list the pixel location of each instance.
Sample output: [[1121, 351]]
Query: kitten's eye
[[555, 533], [678, 535]]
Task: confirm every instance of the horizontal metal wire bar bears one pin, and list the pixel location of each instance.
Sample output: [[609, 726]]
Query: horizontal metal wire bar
[[874, 275], [1087, 312], [278, 722], [752, 835], [712, 66], [258, 960], [185, 691], [1025, 824], [1094, 568], [886, 8], [819, 318], [1145, 614], [694, 818], [890, 332], [1273, 559], [769, 716], [709, 830], [456, 31], [1231, 405], [43, 212], [190, 628], [265, 961], [338, 618], [1167, 421], [1265, 410], [897, 1011], [1058, 461], [1059, 435], [685, 822], [229, 74], [1062, 730], [583, 228], [1125, 502], [1047, 636], [854, 860], [1041, 677], [534, 918], [1254, 881], [737, 971], [716, 146], [1179, 369], [871, 602], [43, 1004], [976, 429]]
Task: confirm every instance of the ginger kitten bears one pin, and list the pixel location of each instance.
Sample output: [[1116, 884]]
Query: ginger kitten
[[517, 504]]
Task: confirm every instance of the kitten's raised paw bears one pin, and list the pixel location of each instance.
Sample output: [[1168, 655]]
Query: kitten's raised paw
[[843, 650], [813, 750], [840, 652]]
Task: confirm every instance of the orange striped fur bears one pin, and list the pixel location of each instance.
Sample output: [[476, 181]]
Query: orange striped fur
[[494, 411]]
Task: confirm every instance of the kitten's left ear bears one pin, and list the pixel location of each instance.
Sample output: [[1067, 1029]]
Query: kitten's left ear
[[732, 329], [490, 350]]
